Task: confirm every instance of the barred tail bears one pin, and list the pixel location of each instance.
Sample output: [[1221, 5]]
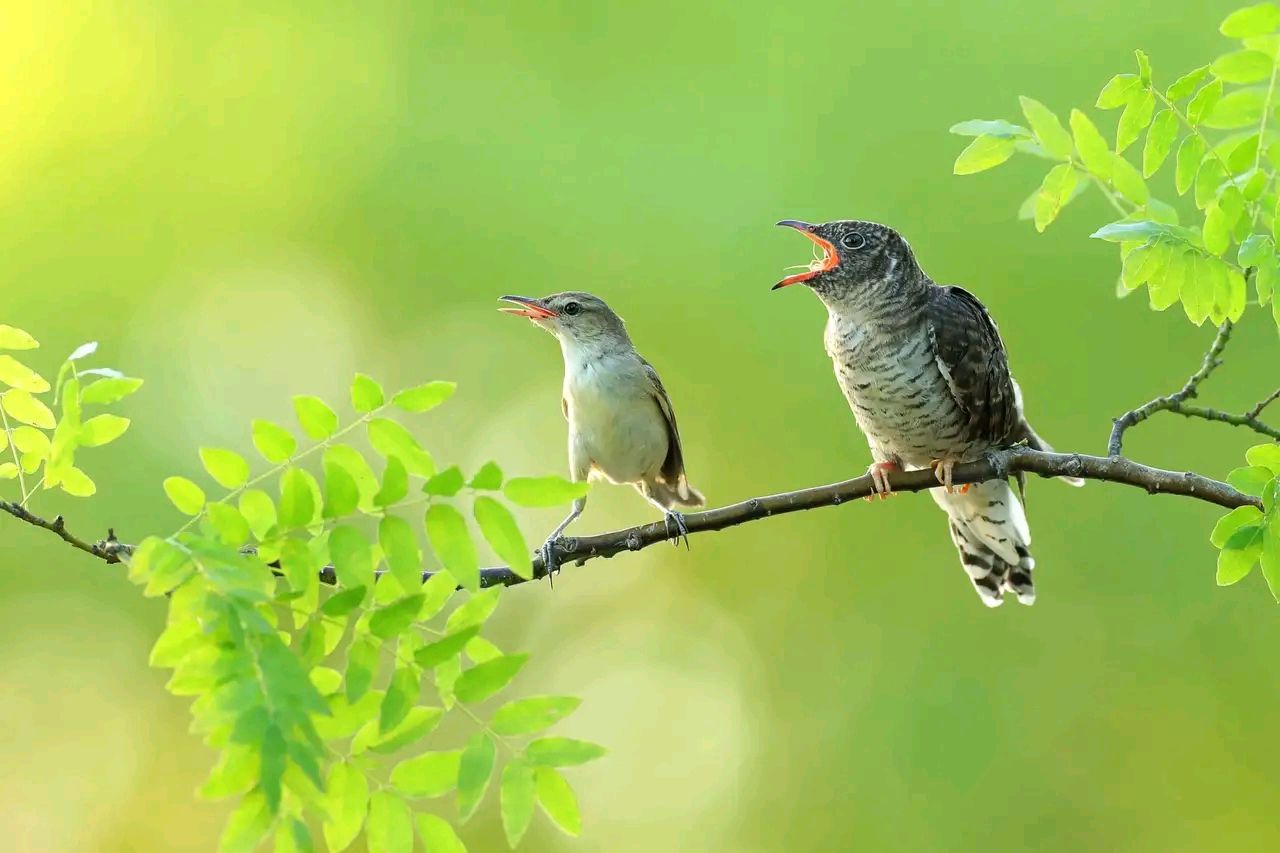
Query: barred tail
[[990, 531], [667, 495]]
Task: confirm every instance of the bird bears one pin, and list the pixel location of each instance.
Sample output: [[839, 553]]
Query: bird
[[622, 426], [927, 376]]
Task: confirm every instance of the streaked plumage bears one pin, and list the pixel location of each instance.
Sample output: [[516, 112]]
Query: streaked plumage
[[926, 375]]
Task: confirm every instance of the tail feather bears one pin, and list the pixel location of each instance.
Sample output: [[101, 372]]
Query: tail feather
[[668, 495], [989, 529]]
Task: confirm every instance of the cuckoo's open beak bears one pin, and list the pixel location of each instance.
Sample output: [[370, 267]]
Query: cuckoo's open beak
[[826, 263], [534, 309]]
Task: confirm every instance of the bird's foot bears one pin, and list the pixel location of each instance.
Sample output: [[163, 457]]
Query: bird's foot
[[550, 562], [880, 479], [942, 469], [671, 519]]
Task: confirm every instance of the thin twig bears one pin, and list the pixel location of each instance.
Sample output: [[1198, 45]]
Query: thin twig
[[998, 465], [1262, 404]]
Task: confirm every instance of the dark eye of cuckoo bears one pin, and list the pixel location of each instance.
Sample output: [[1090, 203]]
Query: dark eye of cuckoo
[[853, 240], [572, 308]]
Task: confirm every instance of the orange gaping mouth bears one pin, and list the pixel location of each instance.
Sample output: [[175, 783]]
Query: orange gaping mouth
[[817, 266], [532, 308]]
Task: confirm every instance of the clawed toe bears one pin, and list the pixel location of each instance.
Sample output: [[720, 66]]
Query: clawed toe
[[880, 480], [676, 519], [943, 469], [550, 562]]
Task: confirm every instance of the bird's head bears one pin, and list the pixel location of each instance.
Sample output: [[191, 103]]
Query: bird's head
[[572, 316], [855, 257]]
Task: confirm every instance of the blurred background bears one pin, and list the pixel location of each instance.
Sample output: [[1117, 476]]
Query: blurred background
[[245, 201]]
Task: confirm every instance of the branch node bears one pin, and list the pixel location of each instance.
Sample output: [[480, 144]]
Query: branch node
[[59, 524]]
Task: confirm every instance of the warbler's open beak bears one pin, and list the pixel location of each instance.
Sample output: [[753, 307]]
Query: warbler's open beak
[[534, 309], [826, 263]]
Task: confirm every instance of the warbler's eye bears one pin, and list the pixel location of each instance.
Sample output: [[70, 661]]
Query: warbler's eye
[[853, 240], [572, 308]]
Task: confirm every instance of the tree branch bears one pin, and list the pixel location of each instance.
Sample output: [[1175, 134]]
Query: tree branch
[[1176, 402], [996, 465]]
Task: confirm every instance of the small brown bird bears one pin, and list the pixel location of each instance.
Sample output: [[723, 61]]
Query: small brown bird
[[622, 427], [925, 373]]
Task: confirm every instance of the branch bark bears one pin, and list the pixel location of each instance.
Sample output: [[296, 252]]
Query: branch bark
[[997, 465]]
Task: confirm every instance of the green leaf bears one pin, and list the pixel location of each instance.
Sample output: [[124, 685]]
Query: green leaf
[[1251, 21], [447, 532], [538, 492], [101, 430], [983, 153], [109, 390], [424, 397], [16, 339], [1164, 287], [362, 665], [527, 716], [1265, 456], [346, 801], [1270, 557], [274, 442], [1250, 480], [232, 528], [1120, 90], [1128, 180], [982, 127], [1217, 233], [446, 648], [478, 608], [488, 478], [1197, 288], [297, 503], [481, 650], [248, 824], [518, 794], [77, 483], [446, 484], [274, 752], [31, 440], [317, 419], [432, 774], [390, 824], [1241, 108], [557, 800], [227, 467], [482, 681], [8, 471], [391, 439], [26, 409], [402, 693], [259, 510], [1160, 139], [341, 603], [350, 459], [1093, 149], [1231, 522], [1242, 66], [400, 546], [1187, 83], [1208, 182], [417, 724], [1241, 551], [185, 495], [341, 494], [1190, 156], [475, 766], [1128, 232], [1134, 119], [395, 483], [1255, 249], [438, 836], [389, 621], [1048, 129], [15, 374], [503, 535], [562, 751], [1203, 103], [366, 394], [352, 557]]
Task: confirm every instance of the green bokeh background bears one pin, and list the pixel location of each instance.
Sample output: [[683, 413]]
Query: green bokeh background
[[244, 201]]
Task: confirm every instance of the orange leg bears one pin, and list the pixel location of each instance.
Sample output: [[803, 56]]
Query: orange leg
[[880, 480], [942, 469]]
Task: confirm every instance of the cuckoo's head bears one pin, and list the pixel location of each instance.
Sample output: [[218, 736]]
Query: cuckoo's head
[[573, 316], [855, 256]]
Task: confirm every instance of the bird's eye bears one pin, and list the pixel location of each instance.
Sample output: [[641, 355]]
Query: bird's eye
[[853, 240], [572, 308]]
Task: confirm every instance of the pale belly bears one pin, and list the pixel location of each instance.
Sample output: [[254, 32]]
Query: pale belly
[[623, 437], [902, 403]]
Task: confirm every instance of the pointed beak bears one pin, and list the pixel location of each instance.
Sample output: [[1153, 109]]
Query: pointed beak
[[826, 263], [534, 309]]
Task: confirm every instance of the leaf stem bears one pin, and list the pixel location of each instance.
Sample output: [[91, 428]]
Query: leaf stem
[[13, 448]]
